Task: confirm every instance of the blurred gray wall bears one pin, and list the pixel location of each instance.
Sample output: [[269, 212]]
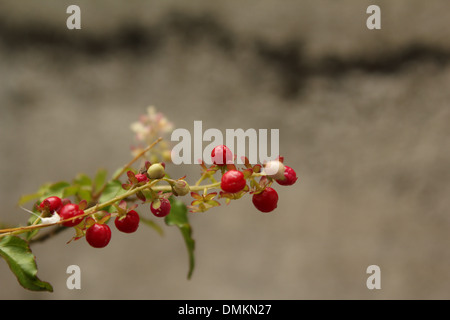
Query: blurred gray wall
[[363, 118]]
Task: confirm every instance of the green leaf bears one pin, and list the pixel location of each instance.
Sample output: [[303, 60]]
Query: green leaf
[[42, 190], [46, 190], [56, 189], [70, 191], [28, 197], [22, 263], [30, 234], [100, 179], [112, 190], [178, 216], [85, 194], [83, 180]]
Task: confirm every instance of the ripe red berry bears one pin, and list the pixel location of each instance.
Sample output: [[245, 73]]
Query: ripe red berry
[[141, 177], [98, 235], [160, 208], [68, 211], [129, 223], [233, 181], [289, 177], [51, 203], [221, 155], [265, 201]]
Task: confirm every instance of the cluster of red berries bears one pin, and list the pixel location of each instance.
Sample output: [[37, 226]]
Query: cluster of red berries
[[98, 235], [265, 198], [64, 208]]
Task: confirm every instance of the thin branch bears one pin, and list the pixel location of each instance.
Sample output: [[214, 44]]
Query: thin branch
[[129, 164], [98, 207], [97, 195]]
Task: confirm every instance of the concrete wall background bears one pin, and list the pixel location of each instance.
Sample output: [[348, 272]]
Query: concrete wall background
[[363, 118]]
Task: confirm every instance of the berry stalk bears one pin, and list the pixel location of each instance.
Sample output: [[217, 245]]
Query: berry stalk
[[90, 211], [98, 207]]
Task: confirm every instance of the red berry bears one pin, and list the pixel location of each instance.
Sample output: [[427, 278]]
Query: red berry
[[289, 177], [98, 235], [51, 203], [129, 223], [160, 208], [265, 201], [233, 181], [68, 211], [221, 155]]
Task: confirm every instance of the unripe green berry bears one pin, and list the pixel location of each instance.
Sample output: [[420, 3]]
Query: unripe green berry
[[156, 171], [181, 188]]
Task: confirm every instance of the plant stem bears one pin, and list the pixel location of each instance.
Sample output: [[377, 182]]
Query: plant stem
[[150, 185], [129, 164], [206, 174], [98, 207]]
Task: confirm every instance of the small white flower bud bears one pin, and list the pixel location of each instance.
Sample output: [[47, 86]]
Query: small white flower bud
[[274, 169]]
